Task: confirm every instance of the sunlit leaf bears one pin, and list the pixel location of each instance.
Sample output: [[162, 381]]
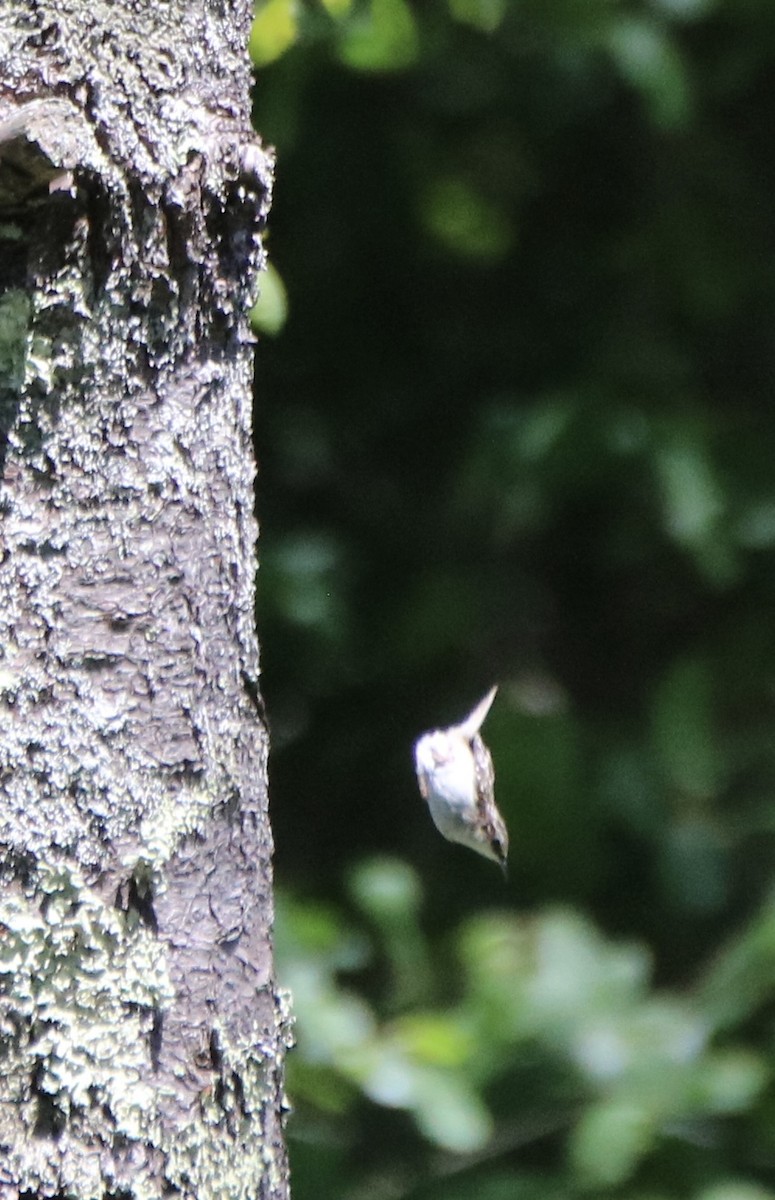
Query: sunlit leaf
[[275, 29], [380, 36], [337, 8], [642, 1046], [387, 1075], [576, 972], [270, 312], [435, 1038]]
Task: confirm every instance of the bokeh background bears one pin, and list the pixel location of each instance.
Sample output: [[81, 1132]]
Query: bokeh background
[[516, 423]]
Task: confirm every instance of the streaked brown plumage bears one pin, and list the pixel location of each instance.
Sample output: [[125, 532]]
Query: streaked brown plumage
[[456, 777]]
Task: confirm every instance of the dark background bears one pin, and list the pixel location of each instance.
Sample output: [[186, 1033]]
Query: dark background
[[518, 427]]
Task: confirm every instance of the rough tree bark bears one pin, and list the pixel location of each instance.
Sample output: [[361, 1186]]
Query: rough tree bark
[[141, 1032]]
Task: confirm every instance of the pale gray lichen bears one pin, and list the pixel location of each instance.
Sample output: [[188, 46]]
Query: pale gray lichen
[[86, 985]]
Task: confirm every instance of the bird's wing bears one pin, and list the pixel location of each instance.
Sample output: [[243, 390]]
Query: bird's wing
[[492, 821], [422, 780]]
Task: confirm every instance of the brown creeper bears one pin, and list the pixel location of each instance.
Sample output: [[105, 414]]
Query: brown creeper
[[456, 777]]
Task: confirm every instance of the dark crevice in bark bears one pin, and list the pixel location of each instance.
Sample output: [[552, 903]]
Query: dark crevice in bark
[[49, 1119], [135, 897], [155, 1038]]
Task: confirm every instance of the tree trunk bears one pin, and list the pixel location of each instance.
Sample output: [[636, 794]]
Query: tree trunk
[[141, 1032]]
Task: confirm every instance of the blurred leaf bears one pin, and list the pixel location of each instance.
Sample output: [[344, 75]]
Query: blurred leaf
[[275, 29], [730, 1080], [337, 8], [451, 1114], [314, 1082], [742, 976], [387, 889], [692, 497], [465, 222], [735, 1189], [649, 58], [314, 937], [497, 957], [304, 576], [389, 892], [446, 1108], [756, 525], [543, 424], [482, 14], [435, 1038], [609, 1142], [380, 35], [576, 973], [387, 1075], [645, 1048], [270, 312], [333, 1026], [551, 975]]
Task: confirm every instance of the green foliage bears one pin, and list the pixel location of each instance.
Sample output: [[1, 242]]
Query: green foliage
[[270, 311], [381, 36], [626, 1067], [517, 426], [275, 29], [372, 35]]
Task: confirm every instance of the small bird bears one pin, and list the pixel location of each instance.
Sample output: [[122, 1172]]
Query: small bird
[[456, 777]]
